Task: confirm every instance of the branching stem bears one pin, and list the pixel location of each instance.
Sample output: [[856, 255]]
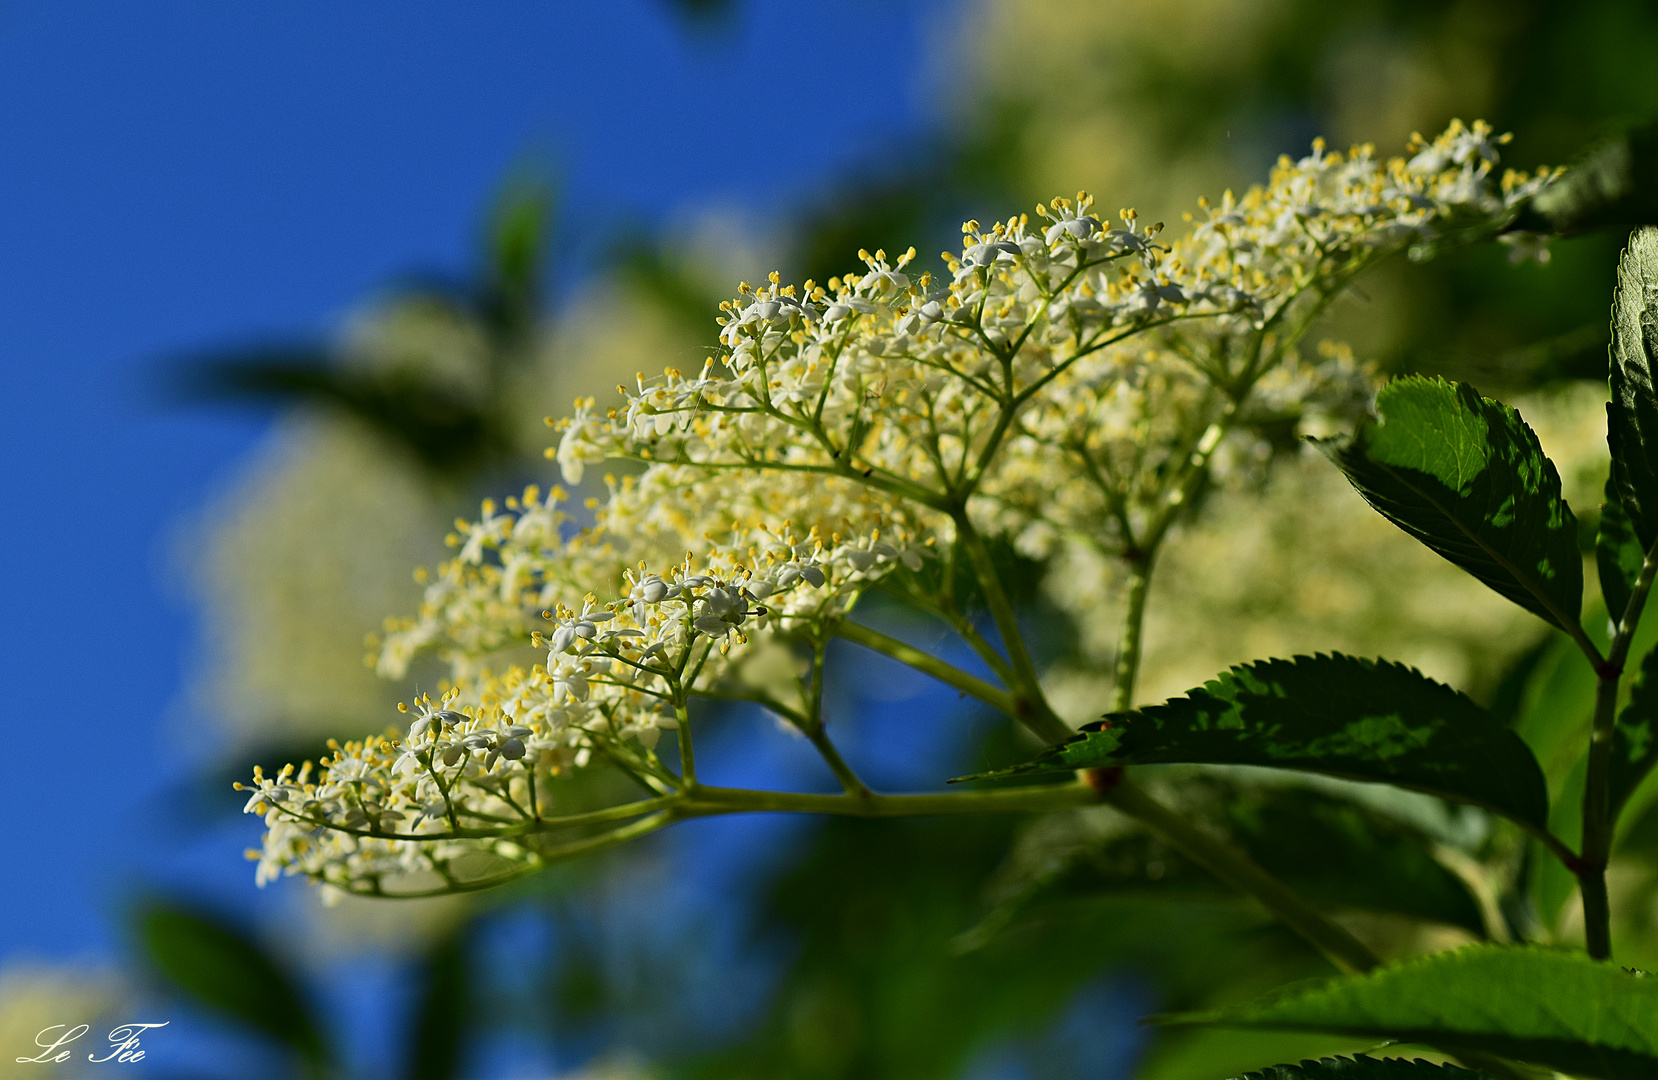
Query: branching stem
[[927, 663], [1031, 798], [1599, 821], [1129, 643], [1235, 869], [1029, 706], [687, 752]]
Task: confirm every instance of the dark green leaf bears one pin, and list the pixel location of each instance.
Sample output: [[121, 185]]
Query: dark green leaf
[[1618, 554], [414, 413], [1335, 852], [1557, 709], [704, 13], [1632, 414], [1509, 696], [221, 968], [1339, 715], [1554, 1008], [1342, 855], [1552, 885], [668, 283], [1465, 475], [1361, 1067], [1614, 182], [1635, 738], [441, 1024]]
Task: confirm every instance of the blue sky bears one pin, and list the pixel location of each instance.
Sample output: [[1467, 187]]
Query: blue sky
[[181, 175]]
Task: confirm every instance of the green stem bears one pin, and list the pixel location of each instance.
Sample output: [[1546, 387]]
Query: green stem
[[1030, 798], [811, 724], [687, 753], [1599, 821], [927, 663], [851, 783], [610, 839], [944, 608], [696, 800], [539, 857], [1028, 705], [1193, 470], [1625, 636], [1233, 868], [1129, 643]]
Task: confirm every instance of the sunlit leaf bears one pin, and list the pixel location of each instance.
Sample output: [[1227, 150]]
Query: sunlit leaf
[[1338, 715], [1554, 1008], [1632, 414], [1465, 475]]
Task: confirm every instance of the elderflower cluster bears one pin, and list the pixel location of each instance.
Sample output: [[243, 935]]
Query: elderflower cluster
[[381, 816], [1066, 379]]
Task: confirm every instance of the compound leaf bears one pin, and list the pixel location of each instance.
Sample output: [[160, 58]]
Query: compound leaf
[[1552, 1008], [1466, 476], [1333, 714]]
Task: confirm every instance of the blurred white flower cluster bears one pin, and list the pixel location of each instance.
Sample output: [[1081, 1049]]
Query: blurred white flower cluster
[[1068, 380], [40, 1004]]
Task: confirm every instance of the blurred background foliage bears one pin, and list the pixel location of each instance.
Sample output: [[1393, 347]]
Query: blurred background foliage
[[979, 949]]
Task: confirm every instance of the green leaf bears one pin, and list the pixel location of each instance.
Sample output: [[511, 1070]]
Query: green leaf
[[442, 1023], [509, 301], [1558, 705], [224, 970], [1632, 414], [1552, 885], [1361, 1067], [1618, 554], [1509, 696], [1558, 1009], [1341, 855], [1333, 714], [412, 411], [667, 281], [1337, 853], [1465, 475], [1635, 737]]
